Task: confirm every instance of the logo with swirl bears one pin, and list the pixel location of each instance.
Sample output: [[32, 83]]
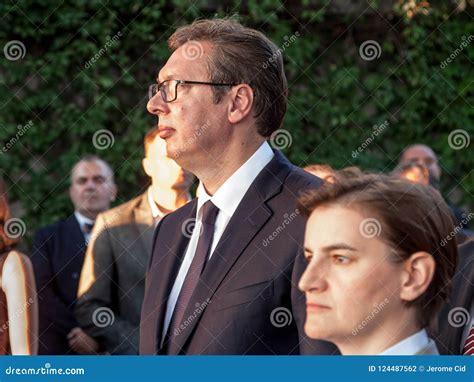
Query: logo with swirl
[[14, 50], [103, 317], [187, 228], [458, 317], [370, 50], [103, 139], [14, 228], [281, 139], [192, 50], [458, 139], [369, 228], [280, 317]]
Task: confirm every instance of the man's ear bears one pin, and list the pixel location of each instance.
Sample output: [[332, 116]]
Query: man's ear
[[417, 274], [242, 103]]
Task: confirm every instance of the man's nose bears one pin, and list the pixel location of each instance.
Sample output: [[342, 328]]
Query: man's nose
[[90, 184], [156, 105]]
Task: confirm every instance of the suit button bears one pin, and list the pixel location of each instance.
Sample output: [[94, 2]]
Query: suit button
[[75, 275]]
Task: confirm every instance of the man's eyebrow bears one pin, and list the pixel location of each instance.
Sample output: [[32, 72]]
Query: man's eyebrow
[[164, 77]]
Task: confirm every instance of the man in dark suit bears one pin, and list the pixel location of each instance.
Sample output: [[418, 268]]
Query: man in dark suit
[[452, 326], [225, 267], [112, 281], [58, 254]]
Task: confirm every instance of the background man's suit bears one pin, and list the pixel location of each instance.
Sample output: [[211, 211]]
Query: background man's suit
[[247, 289], [444, 329], [113, 275], [58, 254]]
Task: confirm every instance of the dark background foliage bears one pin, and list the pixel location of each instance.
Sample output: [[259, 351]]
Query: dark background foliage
[[336, 97]]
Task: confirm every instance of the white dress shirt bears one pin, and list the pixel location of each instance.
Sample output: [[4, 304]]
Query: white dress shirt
[[81, 219], [155, 211], [410, 345], [227, 198]]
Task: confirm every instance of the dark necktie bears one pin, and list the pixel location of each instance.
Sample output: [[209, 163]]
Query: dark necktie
[[209, 214], [87, 228]]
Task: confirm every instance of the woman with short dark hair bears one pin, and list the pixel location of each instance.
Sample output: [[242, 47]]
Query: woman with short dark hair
[[378, 268]]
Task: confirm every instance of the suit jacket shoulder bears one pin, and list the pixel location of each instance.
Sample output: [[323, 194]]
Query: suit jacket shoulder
[[125, 210]]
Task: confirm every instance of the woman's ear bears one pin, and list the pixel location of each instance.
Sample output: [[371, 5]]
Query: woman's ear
[[417, 274], [242, 103]]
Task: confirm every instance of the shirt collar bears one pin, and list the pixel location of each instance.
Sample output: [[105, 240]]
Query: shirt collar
[[155, 211], [410, 345], [228, 197], [81, 219]]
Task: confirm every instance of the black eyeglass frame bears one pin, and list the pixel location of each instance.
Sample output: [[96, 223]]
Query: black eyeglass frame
[[155, 88]]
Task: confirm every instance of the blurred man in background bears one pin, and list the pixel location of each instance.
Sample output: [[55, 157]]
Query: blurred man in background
[[112, 282], [424, 156], [58, 254]]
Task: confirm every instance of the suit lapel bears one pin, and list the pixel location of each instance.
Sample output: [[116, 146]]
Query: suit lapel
[[247, 221], [75, 239], [144, 222], [74, 249]]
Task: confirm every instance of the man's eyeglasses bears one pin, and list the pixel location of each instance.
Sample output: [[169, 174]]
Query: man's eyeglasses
[[169, 88]]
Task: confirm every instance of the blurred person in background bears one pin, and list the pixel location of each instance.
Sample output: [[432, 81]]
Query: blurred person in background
[[112, 282], [18, 302], [423, 157], [413, 172], [58, 255]]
